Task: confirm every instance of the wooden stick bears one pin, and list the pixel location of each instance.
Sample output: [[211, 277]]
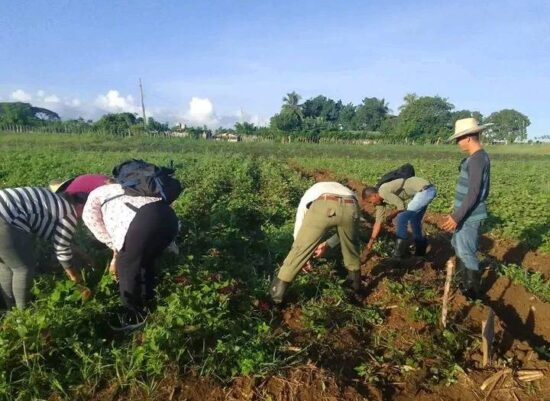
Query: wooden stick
[[492, 387], [528, 375], [448, 279], [492, 380], [487, 337]]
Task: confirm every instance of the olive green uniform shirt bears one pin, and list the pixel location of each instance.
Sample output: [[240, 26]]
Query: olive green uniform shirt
[[395, 193]]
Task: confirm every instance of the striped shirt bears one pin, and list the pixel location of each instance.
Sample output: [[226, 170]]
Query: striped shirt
[[40, 211], [472, 188]]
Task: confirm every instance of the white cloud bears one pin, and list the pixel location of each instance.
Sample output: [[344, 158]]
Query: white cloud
[[21, 96], [67, 108], [114, 102], [255, 119], [52, 99], [201, 112]]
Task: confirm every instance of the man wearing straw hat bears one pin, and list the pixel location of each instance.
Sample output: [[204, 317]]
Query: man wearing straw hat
[[470, 209]]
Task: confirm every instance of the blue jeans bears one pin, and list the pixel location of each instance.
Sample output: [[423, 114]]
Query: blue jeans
[[465, 241], [414, 215]]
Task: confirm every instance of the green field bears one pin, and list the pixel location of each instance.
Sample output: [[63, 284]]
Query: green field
[[520, 181], [237, 215]]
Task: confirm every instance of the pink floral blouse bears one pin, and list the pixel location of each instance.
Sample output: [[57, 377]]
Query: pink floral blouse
[[109, 223]]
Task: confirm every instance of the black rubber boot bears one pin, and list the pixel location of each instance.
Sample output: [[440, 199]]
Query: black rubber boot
[[420, 248], [401, 250], [353, 284], [277, 290], [472, 284], [460, 273], [354, 280]]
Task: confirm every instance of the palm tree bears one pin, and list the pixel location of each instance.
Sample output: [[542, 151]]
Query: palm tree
[[408, 99], [292, 102]]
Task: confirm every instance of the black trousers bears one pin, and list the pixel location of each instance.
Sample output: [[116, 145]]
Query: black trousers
[[154, 227]]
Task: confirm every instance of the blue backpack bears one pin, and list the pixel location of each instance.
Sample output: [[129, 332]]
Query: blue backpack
[[139, 178]]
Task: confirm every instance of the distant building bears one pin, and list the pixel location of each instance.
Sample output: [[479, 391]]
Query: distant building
[[228, 137], [179, 130]]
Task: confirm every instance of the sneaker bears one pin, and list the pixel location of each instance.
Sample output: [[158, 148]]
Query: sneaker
[[128, 321]]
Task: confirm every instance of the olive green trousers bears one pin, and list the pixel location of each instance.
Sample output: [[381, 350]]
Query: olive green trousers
[[322, 215]]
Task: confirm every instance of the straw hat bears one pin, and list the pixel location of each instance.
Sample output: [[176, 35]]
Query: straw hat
[[467, 126], [57, 186]]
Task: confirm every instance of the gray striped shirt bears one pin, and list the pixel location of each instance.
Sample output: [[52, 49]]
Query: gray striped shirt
[[472, 188], [40, 211]]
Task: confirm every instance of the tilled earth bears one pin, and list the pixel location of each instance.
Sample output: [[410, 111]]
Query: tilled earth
[[522, 327], [522, 340]]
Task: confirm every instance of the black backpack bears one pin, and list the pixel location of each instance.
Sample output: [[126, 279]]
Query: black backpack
[[139, 178], [405, 171]]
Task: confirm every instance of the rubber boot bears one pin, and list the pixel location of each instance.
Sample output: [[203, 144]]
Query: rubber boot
[[401, 250], [354, 280], [460, 273], [420, 247], [277, 290], [472, 284]]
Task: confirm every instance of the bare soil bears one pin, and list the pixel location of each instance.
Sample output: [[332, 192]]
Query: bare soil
[[522, 326]]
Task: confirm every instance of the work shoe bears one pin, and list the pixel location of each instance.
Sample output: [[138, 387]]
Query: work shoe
[[420, 248], [471, 285], [401, 250], [128, 321], [277, 290]]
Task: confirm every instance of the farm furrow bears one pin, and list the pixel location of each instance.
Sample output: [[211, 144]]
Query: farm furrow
[[525, 315]]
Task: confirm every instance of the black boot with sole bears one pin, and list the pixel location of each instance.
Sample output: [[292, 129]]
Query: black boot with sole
[[277, 290], [472, 284], [353, 281], [401, 250]]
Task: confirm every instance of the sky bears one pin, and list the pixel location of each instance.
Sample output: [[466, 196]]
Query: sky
[[217, 62]]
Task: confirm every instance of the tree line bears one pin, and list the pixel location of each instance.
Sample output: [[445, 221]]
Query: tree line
[[421, 119]]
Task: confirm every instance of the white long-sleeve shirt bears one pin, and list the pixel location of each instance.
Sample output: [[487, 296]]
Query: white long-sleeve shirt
[[109, 223], [314, 192]]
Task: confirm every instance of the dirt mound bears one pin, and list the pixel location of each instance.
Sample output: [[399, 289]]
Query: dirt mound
[[505, 251], [518, 333]]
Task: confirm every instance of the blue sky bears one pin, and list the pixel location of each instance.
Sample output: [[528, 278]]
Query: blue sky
[[217, 61]]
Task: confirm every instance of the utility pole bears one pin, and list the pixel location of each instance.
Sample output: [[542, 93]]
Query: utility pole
[[142, 105]]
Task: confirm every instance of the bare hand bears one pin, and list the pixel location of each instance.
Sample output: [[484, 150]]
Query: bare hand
[[307, 268], [449, 225], [113, 269], [366, 252], [74, 275], [85, 293], [320, 250]]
